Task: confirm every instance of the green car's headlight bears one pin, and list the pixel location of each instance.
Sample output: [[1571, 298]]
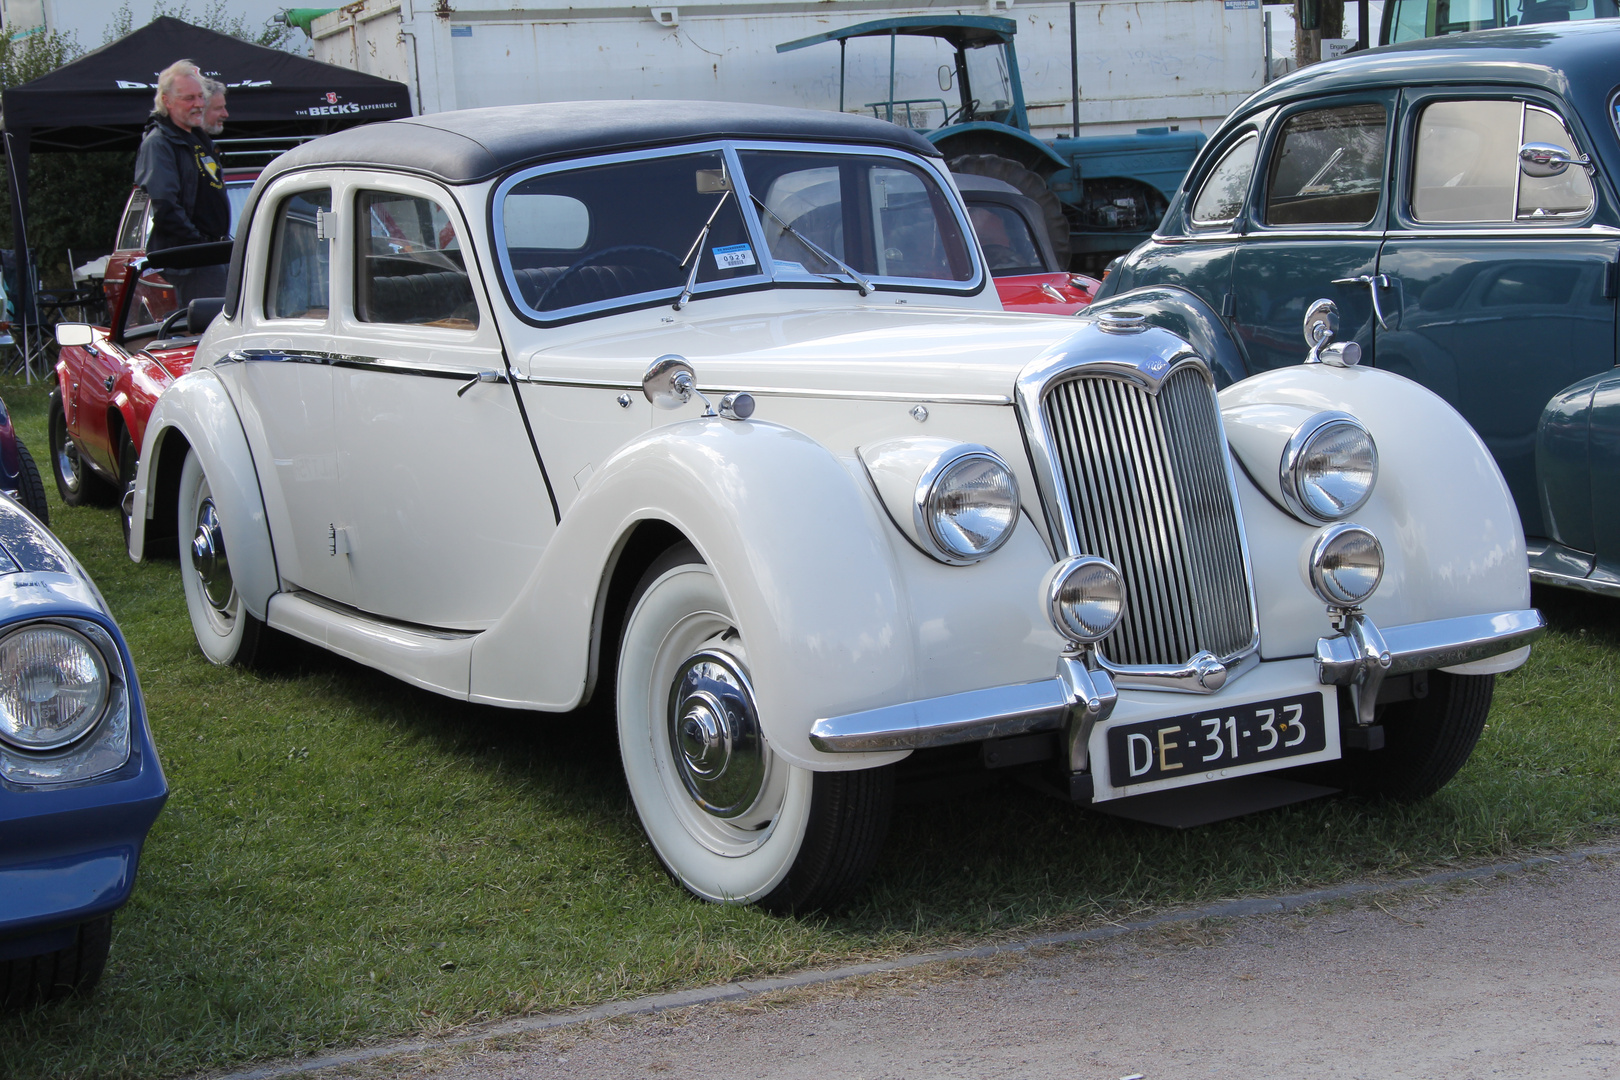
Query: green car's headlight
[[54, 687]]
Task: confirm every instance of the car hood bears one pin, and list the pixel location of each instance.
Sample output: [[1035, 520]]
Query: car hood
[[927, 353]]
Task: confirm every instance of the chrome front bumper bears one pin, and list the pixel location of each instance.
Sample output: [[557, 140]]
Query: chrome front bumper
[[1077, 698]]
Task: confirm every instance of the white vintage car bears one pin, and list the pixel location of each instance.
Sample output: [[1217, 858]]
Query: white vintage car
[[714, 409]]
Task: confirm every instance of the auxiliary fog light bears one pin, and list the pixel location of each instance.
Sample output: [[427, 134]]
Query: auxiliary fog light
[[1085, 597], [1347, 562]]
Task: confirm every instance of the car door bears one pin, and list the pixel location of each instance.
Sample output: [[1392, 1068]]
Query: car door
[[1314, 226], [1504, 282], [445, 511], [280, 378]]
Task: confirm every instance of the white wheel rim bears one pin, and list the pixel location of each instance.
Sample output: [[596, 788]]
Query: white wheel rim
[[729, 859]]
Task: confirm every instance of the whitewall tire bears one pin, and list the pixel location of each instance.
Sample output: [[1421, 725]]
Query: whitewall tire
[[226, 632]]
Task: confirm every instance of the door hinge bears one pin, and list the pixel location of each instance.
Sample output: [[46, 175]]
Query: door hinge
[[337, 539], [1229, 305], [1611, 279]]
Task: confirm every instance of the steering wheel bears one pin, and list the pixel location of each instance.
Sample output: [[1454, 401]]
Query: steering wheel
[[596, 256], [962, 115], [176, 316]]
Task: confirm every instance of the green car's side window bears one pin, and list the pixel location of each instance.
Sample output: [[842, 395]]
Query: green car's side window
[[1467, 165], [1328, 167], [1221, 198]]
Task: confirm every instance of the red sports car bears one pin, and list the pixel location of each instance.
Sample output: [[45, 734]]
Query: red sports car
[[1027, 273]]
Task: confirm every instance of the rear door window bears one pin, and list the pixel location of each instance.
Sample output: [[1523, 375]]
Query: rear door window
[[1466, 167], [410, 267], [1327, 167]]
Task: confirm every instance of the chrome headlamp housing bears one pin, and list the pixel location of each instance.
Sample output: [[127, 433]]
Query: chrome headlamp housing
[[1346, 564], [1085, 598], [967, 504], [64, 702], [1328, 468]]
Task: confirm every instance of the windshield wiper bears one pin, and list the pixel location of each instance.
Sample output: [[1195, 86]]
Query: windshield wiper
[[694, 253], [832, 260]]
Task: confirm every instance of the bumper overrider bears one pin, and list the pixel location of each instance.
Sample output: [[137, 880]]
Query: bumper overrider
[[1082, 694]]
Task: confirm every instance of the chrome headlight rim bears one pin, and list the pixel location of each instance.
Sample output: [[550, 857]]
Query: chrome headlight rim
[[924, 509], [114, 701], [1326, 586], [1052, 592], [1293, 460]]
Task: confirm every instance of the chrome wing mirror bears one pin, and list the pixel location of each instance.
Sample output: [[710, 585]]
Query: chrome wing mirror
[[670, 383], [1321, 323], [1541, 160]]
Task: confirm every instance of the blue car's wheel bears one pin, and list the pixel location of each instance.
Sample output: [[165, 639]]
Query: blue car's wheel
[[73, 969]]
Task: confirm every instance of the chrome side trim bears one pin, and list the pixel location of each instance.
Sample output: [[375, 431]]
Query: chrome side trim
[[1429, 645], [1597, 586], [786, 391], [346, 360]]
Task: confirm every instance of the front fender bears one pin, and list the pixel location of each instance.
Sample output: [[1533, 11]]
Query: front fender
[[799, 549], [1452, 541], [197, 413]]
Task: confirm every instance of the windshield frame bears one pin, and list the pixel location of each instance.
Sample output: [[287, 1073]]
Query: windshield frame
[[771, 276]]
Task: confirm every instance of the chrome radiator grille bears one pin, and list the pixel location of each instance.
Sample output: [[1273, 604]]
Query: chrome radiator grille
[[1144, 476]]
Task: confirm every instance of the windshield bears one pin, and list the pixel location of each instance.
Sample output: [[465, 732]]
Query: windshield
[[601, 237]]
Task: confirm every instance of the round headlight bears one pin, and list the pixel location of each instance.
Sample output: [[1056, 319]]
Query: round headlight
[[1085, 597], [967, 504], [1347, 562], [54, 686], [1329, 467]]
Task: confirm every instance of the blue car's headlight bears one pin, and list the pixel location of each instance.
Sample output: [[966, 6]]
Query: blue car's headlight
[[53, 687], [64, 703]]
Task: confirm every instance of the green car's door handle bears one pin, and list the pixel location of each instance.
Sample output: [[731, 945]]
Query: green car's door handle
[[1374, 282]]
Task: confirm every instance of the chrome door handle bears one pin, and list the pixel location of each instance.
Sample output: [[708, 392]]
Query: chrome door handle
[[1373, 282], [481, 377]]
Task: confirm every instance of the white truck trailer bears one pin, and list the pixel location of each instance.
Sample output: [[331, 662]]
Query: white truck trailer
[[1150, 63]]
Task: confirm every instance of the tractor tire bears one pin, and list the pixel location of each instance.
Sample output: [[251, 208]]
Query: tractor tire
[[1030, 185]]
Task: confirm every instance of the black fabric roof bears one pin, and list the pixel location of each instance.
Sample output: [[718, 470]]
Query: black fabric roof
[[476, 144], [101, 101]]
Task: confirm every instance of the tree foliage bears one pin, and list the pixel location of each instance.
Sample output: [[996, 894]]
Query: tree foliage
[[270, 34]]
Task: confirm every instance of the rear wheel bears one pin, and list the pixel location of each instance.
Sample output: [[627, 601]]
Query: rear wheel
[[74, 969], [30, 488], [77, 485], [226, 631], [730, 820], [1425, 740], [1030, 185], [128, 461]]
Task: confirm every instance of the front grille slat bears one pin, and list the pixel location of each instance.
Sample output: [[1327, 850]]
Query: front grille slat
[[1145, 481]]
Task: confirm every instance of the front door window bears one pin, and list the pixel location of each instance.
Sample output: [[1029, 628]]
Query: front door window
[[1328, 167]]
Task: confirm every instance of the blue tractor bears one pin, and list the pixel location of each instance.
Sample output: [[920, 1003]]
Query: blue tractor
[[1101, 195]]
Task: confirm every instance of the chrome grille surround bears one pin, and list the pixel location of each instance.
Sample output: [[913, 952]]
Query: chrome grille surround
[[1132, 463]]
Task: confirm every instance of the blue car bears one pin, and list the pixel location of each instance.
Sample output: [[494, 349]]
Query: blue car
[[80, 782], [19, 476]]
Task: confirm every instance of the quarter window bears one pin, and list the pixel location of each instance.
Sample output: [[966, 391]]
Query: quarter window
[[1221, 197], [1328, 167], [137, 222], [410, 267], [300, 280], [1467, 165]]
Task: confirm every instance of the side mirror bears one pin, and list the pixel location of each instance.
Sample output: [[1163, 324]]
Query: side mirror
[[1541, 160], [1321, 323], [945, 75], [74, 333], [670, 382]]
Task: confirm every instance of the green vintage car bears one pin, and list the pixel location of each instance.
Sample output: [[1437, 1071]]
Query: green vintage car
[[1455, 199]]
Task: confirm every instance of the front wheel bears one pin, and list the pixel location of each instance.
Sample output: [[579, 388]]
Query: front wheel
[[729, 820], [30, 488], [72, 969], [1426, 740], [226, 631], [75, 481]]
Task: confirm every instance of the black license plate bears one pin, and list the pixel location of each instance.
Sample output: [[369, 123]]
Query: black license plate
[[1215, 739]]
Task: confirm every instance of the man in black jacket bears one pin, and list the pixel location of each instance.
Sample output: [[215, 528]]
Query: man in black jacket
[[180, 170]]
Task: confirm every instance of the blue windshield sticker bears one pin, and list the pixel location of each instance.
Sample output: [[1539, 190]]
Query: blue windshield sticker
[[730, 258]]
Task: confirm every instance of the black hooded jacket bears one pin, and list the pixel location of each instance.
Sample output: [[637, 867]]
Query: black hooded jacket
[[182, 174]]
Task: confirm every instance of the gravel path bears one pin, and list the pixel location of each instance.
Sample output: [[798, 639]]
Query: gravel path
[[1514, 976]]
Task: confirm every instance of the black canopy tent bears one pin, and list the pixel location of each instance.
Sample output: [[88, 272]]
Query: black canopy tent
[[101, 101]]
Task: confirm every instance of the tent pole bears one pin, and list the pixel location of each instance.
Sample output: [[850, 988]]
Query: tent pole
[[16, 147]]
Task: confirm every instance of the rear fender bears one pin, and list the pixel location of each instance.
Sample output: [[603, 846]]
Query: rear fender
[[197, 415], [800, 551], [983, 137]]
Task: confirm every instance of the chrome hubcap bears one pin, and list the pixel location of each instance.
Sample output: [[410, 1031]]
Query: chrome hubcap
[[714, 733], [67, 460], [208, 557]]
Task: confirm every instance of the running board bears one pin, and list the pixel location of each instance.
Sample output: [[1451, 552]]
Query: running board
[[437, 660]]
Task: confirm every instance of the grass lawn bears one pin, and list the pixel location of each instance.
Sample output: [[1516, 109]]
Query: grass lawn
[[345, 858]]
